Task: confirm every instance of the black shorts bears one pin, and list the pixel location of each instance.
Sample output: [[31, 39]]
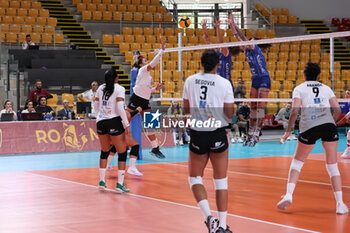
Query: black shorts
[[113, 126], [327, 132], [137, 101], [208, 141]]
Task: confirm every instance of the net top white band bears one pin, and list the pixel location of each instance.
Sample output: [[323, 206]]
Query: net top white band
[[247, 100], [265, 41]]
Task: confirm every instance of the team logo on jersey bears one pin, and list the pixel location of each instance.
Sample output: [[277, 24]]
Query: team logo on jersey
[[151, 120], [317, 100]]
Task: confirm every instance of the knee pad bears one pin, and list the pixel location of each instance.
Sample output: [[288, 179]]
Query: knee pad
[[113, 150], [220, 184], [104, 154], [296, 165], [260, 113], [195, 180], [253, 114], [122, 156], [332, 169], [135, 150]]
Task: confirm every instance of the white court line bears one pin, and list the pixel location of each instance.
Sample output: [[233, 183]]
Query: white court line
[[263, 176], [178, 204]]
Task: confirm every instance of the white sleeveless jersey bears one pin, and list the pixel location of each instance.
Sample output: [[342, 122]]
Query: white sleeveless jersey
[[144, 83], [108, 104], [207, 94], [315, 106]]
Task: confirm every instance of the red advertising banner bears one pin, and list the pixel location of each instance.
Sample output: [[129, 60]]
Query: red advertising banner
[[58, 136]]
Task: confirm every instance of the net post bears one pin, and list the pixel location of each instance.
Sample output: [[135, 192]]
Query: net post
[[331, 57], [180, 57], [161, 75]]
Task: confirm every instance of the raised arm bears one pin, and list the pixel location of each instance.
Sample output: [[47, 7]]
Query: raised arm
[[205, 31], [237, 32], [221, 39], [156, 59]]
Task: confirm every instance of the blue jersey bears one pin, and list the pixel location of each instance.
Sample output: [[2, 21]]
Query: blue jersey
[[133, 76], [345, 107], [256, 61], [225, 66]]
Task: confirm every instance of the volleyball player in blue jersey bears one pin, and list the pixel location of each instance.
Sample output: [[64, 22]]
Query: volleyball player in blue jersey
[[225, 55], [261, 83]]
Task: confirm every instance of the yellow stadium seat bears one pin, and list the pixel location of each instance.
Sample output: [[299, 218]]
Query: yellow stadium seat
[[36, 5], [81, 7], [86, 15], [146, 46], [117, 2], [44, 13], [126, 2], [112, 7], [283, 56], [315, 57], [52, 21], [11, 11], [284, 47], [33, 12], [30, 20], [117, 16], [107, 39], [52, 102], [147, 17], [275, 11], [18, 20], [138, 17], [124, 47], [14, 4], [284, 11], [91, 7], [4, 4], [136, 2], [260, 33], [97, 15], [59, 38], [271, 65], [282, 19], [292, 65], [135, 46], [169, 31], [275, 85], [158, 31], [7, 20], [107, 15], [145, 2], [41, 21], [292, 19], [47, 38], [127, 31], [140, 38], [280, 74], [294, 48], [293, 56], [324, 75], [69, 97], [102, 7], [272, 57], [142, 8], [345, 74], [129, 38], [151, 39], [132, 8], [152, 9], [304, 57], [12, 37], [168, 17], [270, 33], [162, 9], [118, 39], [138, 31], [281, 65]]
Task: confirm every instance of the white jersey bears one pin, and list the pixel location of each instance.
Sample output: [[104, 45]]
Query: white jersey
[[315, 106], [90, 96], [144, 83], [207, 94], [108, 104]]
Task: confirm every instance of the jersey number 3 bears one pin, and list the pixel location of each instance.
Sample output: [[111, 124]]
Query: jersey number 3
[[204, 90]]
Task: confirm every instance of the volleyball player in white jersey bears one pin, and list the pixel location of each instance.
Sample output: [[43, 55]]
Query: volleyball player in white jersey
[[208, 96], [112, 122], [143, 90], [317, 122]]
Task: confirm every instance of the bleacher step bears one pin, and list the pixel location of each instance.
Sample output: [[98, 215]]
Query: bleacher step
[[76, 36], [63, 24], [104, 57], [82, 40], [74, 32], [62, 16], [109, 62], [85, 44], [63, 12], [91, 48]]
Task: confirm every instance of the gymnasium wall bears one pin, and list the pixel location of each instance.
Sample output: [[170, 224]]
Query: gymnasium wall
[[313, 9]]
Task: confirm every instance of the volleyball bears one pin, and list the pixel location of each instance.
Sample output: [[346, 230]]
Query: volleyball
[[185, 22]]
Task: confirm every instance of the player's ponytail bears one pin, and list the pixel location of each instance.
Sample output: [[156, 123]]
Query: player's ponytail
[[110, 76]]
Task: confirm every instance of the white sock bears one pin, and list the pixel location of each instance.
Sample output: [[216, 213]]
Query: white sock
[[338, 196], [132, 163], [121, 174], [102, 174], [109, 160], [290, 188], [222, 219], [154, 144], [204, 206]]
